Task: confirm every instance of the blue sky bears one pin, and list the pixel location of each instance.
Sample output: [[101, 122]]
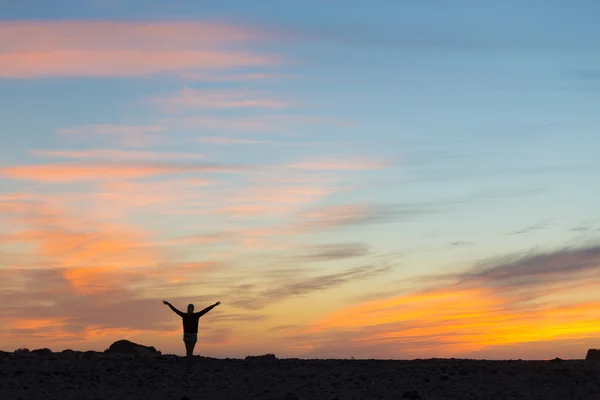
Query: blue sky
[[420, 138]]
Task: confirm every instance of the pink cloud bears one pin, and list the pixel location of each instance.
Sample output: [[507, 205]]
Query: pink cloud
[[47, 35], [101, 48], [119, 63], [188, 98]]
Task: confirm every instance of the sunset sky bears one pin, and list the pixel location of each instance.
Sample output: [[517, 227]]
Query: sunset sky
[[385, 179]]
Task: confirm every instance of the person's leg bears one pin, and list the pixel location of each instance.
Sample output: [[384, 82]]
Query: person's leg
[[189, 348]]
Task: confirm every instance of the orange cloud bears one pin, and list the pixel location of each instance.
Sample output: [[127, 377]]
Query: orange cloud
[[101, 48], [455, 322], [188, 98], [158, 197], [92, 257], [84, 282], [489, 309], [85, 172]]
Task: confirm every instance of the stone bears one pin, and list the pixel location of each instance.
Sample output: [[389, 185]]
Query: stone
[[593, 355], [42, 352], [264, 357], [22, 351], [127, 347]]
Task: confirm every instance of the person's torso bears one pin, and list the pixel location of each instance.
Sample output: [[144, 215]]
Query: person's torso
[[190, 323]]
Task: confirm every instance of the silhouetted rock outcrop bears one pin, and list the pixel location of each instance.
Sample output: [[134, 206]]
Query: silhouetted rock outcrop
[[264, 357], [42, 352], [127, 347], [22, 350], [593, 355]]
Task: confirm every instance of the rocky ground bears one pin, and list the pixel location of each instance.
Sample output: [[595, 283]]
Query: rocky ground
[[73, 375]]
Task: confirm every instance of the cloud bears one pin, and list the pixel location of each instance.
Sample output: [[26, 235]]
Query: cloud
[[273, 198], [34, 49], [355, 215], [228, 141], [216, 77], [300, 222], [50, 295], [488, 309], [193, 99], [340, 164], [535, 227], [283, 327], [460, 243], [83, 279], [252, 124], [238, 317], [85, 172], [156, 196], [329, 252], [233, 141], [127, 135], [252, 299], [533, 269], [116, 155], [115, 63]]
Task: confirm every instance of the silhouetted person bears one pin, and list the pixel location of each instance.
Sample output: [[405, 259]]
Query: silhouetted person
[[190, 327]]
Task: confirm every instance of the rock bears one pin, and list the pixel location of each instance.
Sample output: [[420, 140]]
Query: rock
[[127, 347], [412, 394], [22, 350], [264, 357], [556, 360], [42, 352], [593, 355]]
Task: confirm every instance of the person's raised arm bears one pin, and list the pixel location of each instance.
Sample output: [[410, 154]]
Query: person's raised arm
[[176, 311], [207, 309]]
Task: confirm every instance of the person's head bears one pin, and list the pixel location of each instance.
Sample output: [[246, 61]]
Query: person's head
[[190, 308]]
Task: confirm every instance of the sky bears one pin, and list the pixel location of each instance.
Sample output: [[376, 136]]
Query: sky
[[386, 179]]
